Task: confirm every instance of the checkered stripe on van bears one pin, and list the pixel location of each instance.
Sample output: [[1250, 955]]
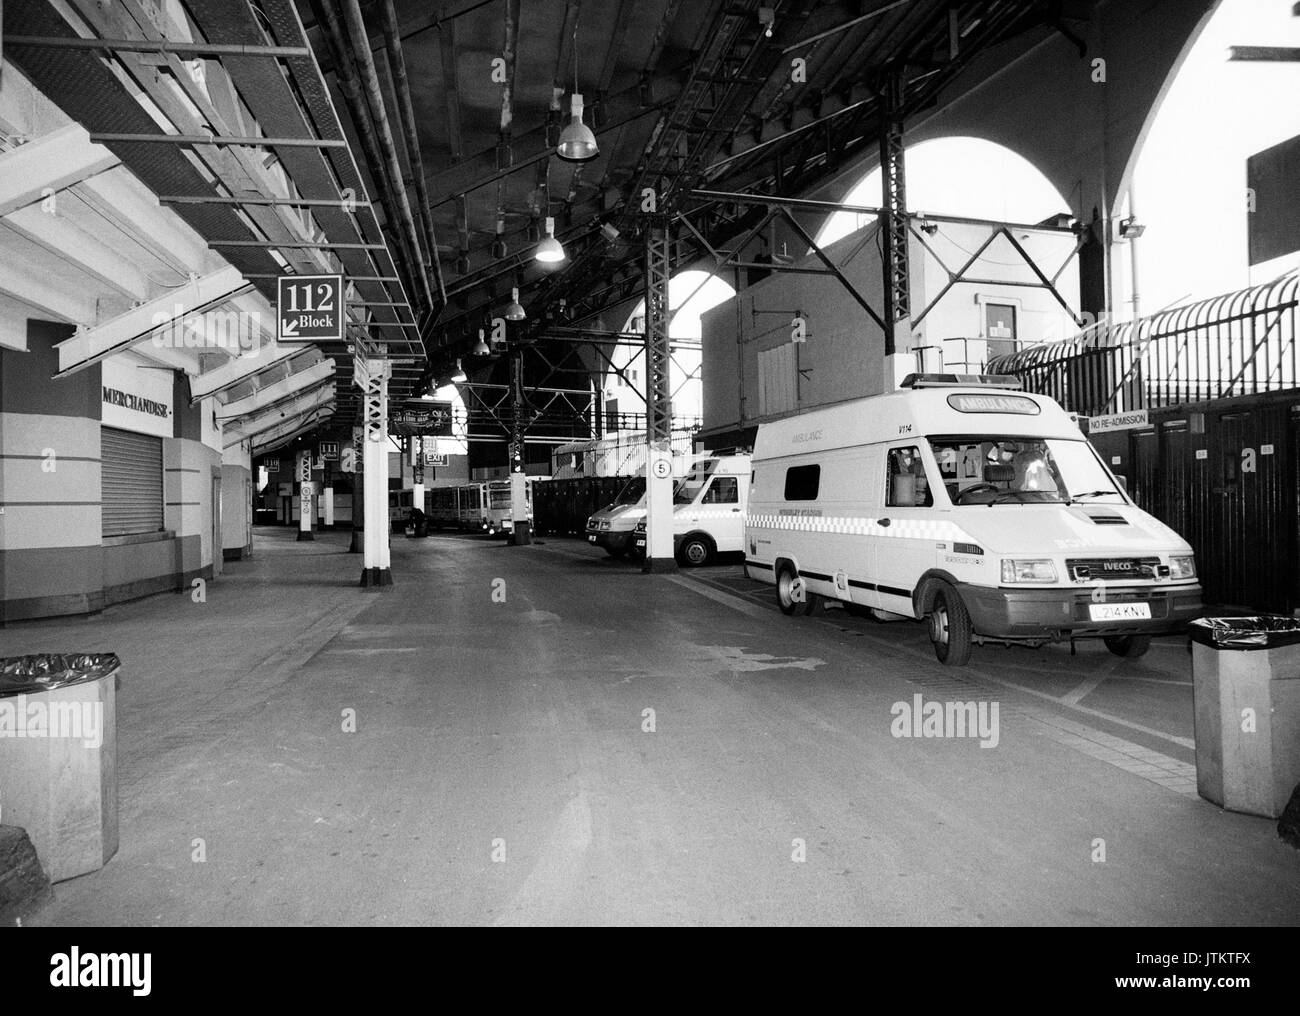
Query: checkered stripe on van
[[900, 529]]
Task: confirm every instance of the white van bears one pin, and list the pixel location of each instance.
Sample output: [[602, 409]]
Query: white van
[[708, 510], [612, 527], [970, 503]]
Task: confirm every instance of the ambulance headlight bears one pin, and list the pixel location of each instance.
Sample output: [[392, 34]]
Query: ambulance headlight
[[1182, 567], [1022, 570]]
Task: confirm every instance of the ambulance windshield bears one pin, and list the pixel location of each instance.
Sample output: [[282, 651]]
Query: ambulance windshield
[[688, 487], [633, 491], [985, 470]]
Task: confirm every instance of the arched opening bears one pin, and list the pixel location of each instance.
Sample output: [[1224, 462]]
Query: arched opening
[[690, 294], [458, 443], [963, 176], [1189, 186]]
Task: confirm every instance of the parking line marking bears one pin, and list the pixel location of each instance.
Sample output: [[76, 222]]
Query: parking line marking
[[725, 598], [1088, 685]]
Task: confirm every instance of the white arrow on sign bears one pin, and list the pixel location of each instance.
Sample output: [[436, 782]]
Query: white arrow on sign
[[289, 329]]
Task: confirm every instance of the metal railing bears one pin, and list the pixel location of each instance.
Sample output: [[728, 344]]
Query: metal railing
[[1241, 343]]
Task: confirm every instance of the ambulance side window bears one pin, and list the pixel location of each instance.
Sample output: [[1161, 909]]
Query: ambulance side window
[[723, 490], [907, 486], [802, 483]]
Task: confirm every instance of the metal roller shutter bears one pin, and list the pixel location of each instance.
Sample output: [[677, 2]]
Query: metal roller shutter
[[132, 482]]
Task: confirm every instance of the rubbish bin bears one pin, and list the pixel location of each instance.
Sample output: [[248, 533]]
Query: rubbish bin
[[1246, 696], [58, 757]]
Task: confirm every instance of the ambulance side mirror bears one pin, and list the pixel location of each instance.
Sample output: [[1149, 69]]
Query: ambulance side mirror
[[1123, 482]]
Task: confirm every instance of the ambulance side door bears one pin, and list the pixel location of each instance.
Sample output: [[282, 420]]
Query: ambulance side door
[[717, 511], [903, 534]]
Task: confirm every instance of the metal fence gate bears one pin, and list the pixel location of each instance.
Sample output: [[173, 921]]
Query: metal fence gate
[[1224, 475]]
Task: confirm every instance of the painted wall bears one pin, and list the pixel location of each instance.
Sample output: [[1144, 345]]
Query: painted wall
[[50, 529], [54, 559], [236, 502]]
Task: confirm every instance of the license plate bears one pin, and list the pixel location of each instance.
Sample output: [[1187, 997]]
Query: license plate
[[1120, 611], [640, 543], [591, 539]]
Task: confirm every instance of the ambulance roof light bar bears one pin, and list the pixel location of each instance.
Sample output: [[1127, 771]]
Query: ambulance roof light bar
[[962, 381]]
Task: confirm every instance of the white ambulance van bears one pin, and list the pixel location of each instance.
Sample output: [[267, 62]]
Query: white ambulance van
[[967, 502], [708, 510], [611, 528]]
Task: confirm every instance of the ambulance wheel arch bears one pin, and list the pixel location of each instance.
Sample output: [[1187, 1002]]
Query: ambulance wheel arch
[[792, 596], [930, 584]]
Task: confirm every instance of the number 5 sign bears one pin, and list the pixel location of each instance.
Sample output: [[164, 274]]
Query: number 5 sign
[[309, 308]]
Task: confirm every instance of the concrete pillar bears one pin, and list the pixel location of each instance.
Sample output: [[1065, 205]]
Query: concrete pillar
[[306, 509], [327, 503], [521, 529], [306, 502], [659, 556]]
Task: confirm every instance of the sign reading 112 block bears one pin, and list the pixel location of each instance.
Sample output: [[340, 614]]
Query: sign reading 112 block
[[309, 308]]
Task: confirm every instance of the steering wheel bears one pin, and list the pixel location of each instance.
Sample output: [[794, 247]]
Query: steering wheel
[[977, 488]]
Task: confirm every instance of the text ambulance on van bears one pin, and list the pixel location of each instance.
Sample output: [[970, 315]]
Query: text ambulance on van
[[967, 502]]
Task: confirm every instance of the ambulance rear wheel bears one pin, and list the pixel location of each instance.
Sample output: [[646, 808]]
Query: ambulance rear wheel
[[950, 628], [1128, 646], [792, 595]]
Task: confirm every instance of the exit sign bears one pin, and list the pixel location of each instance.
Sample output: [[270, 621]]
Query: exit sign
[[309, 308]]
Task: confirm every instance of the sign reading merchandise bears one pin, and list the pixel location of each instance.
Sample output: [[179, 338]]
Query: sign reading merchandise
[[136, 398]]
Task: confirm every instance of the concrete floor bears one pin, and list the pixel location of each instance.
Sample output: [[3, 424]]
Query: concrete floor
[[515, 729]]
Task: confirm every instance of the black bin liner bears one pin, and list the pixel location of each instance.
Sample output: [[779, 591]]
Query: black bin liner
[[1265, 631], [21, 675]]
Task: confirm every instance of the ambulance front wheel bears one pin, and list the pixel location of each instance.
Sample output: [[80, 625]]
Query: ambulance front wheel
[[950, 628], [792, 595], [1128, 646], [696, 551]]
